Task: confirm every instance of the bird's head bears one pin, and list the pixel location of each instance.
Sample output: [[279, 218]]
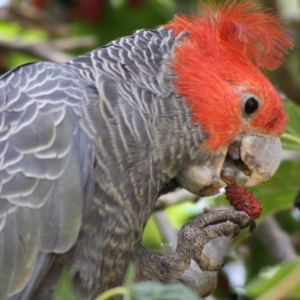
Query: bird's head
[[218, 66]]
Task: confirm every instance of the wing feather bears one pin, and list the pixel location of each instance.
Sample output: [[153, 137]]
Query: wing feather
[[45, 169]]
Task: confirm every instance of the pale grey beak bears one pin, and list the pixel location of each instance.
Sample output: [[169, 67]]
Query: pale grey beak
[[256, 155], [261, 154]]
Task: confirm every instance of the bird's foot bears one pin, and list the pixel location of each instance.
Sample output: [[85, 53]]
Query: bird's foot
[[195, 234], [192, 238]]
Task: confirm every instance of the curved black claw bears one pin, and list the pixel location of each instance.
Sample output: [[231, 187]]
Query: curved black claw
[[236, 232], [252, 226]]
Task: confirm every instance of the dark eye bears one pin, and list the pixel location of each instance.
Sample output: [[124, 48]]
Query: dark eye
[[251, 105]]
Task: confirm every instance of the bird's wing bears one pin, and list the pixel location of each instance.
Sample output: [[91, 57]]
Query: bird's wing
[[45, 168]]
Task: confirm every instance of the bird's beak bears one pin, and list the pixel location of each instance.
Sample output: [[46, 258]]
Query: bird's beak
[[261, 154], [256, 155]]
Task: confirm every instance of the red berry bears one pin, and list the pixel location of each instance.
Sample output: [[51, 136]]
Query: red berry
[[242, 199]]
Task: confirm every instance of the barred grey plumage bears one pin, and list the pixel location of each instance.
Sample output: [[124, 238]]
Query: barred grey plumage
[[86, 149], [45, 157]]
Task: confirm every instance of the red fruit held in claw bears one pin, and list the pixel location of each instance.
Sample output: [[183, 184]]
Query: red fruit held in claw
[[242, 199]]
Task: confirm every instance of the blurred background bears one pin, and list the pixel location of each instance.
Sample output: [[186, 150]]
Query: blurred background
[[264, 265]]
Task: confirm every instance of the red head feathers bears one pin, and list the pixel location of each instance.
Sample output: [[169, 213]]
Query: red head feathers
[[218, 62]]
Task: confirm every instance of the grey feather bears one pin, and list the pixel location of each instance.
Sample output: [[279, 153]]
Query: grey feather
[[42, 168], [85, 149], [41, 267]]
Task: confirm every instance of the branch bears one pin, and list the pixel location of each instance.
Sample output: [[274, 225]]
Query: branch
[[276, 241], [72, 43], [46, 50], [168, 232], [204, 283], [31, 16], [49, 50], [173, 198], [40, 50]]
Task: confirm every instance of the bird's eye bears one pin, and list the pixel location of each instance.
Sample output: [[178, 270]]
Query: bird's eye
[[251, 105]]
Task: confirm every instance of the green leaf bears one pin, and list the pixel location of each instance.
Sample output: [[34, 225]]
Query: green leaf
[[291, 137], [9, 30], [15, 59], [157, 291], [109, 294], [179, 214], [151, 235], [65, 288], [129, 280], [13, 31], [279, 192], [276, 283]]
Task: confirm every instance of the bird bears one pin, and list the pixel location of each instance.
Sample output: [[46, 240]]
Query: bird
[[88, 146]]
